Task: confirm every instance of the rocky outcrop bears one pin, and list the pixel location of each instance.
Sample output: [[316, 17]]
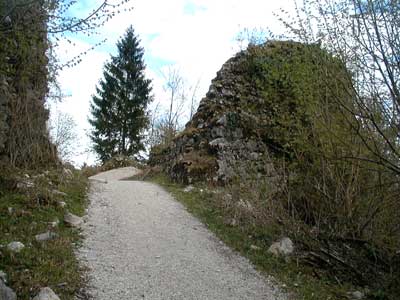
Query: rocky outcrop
[[216, 144], [235, 127]]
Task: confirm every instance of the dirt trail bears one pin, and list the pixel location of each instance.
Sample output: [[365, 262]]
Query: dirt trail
[[142, 244]]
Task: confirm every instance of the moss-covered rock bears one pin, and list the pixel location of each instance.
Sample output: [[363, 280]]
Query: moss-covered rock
[[256, 107]]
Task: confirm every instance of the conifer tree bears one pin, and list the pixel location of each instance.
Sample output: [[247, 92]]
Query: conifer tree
[[118, 110]]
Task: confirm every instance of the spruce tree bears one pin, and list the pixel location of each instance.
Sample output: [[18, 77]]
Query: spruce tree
[[118, 110]]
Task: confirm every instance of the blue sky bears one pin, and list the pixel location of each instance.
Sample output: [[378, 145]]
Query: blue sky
[[191, 8], [194, 36]]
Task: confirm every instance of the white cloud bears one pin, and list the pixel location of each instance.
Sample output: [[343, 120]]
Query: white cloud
[[197, 35]]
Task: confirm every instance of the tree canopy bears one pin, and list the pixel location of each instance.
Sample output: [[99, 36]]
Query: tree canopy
[[118, 110]]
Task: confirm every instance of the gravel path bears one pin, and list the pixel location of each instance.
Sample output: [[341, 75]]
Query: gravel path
[[142, 244]]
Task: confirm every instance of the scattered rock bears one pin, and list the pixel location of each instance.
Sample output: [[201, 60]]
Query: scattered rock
[[59, 193], [282, 247], [46, 294], [25, 184], [42, 175], [227, 197], [55, 223], [6, 293], [356, 295], [62, 284], [68, 173], [7, 20], [15, 247], [219, 143], [188, 189], [231, 222], [10, 210], [222, 121], [72, 220], [246, 205], [61, 204], [254, 247], [47, 236], [3, 276]]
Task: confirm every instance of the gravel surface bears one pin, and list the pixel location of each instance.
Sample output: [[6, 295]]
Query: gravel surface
[[142, 244]]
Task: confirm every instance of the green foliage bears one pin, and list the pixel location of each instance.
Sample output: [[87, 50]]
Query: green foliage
[[329, 180], [119, 108], [305, 125], [288, 76]]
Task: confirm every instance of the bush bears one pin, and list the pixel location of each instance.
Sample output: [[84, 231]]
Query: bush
[[332, 197]]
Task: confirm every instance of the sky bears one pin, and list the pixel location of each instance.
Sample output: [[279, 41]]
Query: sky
[[193, 36]]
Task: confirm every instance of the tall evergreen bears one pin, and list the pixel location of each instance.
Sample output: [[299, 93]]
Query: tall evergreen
[[118, 110]]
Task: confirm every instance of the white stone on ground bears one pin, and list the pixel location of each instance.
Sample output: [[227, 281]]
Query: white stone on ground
[[46, 294], [188, 189], [282, 247], [15, 246], [72, 220], [47, 236]]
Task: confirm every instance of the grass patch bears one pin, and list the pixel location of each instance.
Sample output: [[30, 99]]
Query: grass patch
[[300, 281], [40, 264]]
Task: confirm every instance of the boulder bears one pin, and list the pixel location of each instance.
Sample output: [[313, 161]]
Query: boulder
[[283, 247], [46, 294], [15, 247], [6, 293]]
